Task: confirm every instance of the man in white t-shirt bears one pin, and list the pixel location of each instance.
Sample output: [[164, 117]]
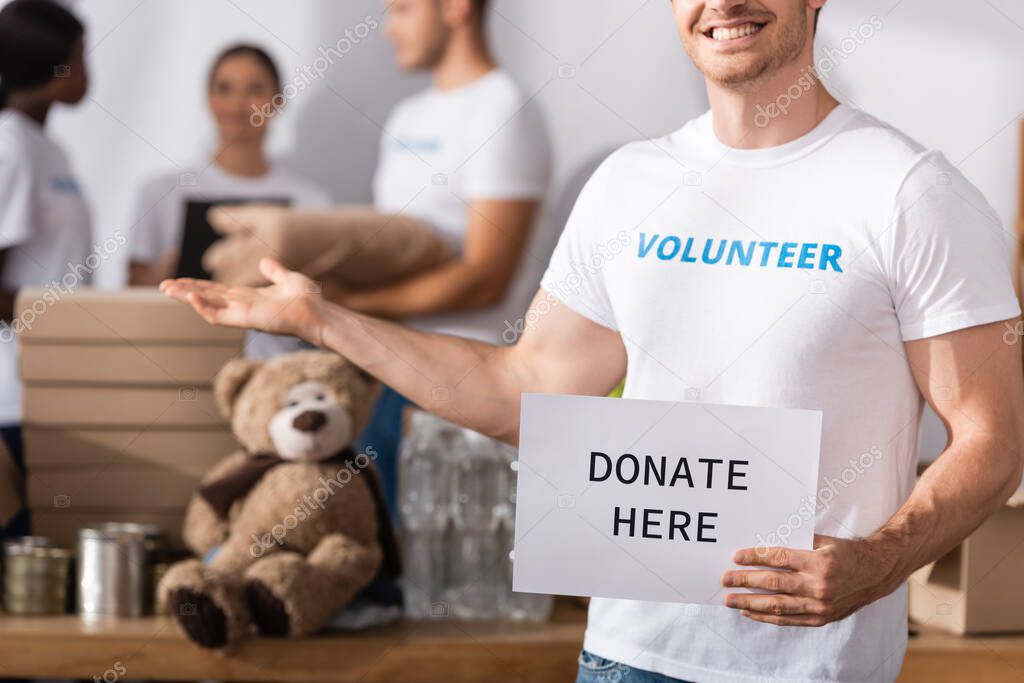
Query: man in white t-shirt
[[469, 156], [815, 258]]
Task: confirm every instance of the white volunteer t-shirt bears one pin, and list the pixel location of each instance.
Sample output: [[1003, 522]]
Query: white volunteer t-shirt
[[442, 150], [787, 277], [159, 220], [45, 228]]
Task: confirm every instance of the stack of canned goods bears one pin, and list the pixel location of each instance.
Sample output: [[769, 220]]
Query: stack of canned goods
[[35, 576], [116, 569]]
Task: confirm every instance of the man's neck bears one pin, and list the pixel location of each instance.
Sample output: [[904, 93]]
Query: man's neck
[[242, 159], [766, 114], [465, 59]]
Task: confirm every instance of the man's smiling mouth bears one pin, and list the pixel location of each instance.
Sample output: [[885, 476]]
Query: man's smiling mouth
[[725, 34]]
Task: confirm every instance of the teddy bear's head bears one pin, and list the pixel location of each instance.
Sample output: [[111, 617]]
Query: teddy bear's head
[[300, 406]]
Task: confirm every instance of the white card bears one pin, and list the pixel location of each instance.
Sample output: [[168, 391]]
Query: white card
[[613, 495]]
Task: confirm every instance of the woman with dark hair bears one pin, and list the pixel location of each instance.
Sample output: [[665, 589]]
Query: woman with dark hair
[[244, 95], [45, 231]]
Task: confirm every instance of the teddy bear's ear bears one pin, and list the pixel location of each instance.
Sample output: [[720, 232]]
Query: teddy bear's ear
[[230, 380]]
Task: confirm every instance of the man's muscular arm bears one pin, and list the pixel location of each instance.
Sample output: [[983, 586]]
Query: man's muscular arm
[[973, 380], [471, 383]]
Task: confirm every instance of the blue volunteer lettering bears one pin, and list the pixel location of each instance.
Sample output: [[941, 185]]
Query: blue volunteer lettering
[[712, 251]]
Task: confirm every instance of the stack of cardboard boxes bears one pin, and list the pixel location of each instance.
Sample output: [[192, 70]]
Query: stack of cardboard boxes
[[119, 417]]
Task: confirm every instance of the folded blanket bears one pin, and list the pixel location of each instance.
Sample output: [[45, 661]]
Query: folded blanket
[[355, 247]]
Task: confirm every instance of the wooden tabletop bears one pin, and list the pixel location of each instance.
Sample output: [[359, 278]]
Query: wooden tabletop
[[436, 651]]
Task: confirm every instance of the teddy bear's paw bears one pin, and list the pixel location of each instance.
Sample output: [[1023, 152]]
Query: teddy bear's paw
[[268, 612], [202, 620]]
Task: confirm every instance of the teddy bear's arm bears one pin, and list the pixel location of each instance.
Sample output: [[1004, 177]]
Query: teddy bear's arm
[[204, 529]]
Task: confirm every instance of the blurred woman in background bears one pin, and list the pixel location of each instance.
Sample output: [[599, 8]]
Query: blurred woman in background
[[45, 232], [244, 95]]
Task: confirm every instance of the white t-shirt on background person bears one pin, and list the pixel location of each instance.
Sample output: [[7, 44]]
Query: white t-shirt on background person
[[441, 151], [45, 228], [787, 277], [159, 220]]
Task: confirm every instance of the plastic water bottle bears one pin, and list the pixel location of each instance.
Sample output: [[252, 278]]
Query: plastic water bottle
[[475, 551], [457, 502], [423, 502]]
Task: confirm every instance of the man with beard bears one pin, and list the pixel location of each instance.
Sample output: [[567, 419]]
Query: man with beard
[[911, 307]]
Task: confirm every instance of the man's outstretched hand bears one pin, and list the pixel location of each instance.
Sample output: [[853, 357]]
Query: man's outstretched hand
[[289, 305]]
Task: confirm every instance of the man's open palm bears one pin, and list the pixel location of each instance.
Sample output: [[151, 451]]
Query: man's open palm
[[283, 307]]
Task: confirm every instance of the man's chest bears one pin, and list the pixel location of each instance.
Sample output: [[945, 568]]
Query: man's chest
[[702, 288]]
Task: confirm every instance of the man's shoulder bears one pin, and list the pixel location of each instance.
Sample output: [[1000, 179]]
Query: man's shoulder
[[412, 101], [500, 87], [875, 140]]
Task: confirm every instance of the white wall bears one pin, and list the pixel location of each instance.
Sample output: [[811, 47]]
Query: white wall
[[604, 71]]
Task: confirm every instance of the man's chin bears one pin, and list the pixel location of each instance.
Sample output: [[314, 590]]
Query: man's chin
[[414, 63], [736, 73]]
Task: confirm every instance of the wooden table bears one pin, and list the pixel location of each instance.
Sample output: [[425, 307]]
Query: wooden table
[[436, 651], [440, 651]]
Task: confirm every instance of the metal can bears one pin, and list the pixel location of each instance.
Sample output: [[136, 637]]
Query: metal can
[[114, 574], [156, 551], [35, 577]]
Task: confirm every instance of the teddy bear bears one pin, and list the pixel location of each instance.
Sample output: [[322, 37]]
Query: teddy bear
[[291, 527]]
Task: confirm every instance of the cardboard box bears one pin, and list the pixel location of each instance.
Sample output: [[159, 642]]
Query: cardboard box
[[95, 363], [190, 452], [110, 489], [62, 526], [978, 587], [134, 315], [129, 406]]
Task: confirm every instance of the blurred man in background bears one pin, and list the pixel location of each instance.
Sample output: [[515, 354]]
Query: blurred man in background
[[469, 156]]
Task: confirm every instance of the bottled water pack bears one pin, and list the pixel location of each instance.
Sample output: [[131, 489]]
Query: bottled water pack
[[457, 502]]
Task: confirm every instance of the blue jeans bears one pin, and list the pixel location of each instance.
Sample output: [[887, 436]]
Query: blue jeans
[[595, 669], [384, 434]]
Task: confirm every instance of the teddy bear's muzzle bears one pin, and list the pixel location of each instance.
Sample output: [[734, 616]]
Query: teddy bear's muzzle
[[309, 421]]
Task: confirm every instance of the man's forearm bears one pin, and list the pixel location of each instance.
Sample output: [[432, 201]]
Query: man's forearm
[[970, 481], [465, 381]]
